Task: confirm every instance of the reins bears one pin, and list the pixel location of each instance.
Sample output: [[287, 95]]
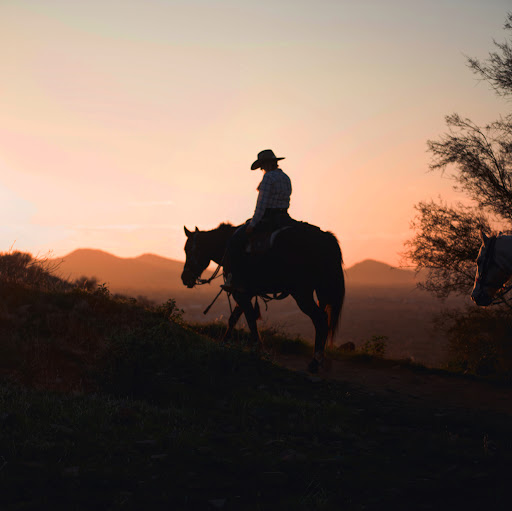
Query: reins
[[215, 274], [214, 300], [200, 282]]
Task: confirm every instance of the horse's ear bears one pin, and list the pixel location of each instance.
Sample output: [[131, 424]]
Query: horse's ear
[[197, 230], [187, 232], [484, 236]]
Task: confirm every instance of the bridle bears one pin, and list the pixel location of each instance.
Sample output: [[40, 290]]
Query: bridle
[[489, 258], [193, 265]]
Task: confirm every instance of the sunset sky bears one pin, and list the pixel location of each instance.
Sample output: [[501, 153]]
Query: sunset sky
[[122, 121]]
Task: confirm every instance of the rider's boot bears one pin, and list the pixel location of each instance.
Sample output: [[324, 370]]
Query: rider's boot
[[232, 285]]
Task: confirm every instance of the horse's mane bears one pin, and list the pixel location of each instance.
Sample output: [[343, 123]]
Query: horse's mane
[[222, 228], [224, 225]]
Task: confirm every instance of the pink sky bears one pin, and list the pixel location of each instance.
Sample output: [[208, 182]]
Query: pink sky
[[122, 121]]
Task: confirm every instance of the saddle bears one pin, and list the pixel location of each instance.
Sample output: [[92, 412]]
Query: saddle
[[261, 242]]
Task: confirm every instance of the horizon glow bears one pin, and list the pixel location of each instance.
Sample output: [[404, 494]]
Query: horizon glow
[[121, 122]]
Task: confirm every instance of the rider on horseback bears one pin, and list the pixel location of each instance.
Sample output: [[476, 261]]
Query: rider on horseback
[[271, 212]]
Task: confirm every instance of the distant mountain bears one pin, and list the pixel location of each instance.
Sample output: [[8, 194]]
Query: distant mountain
[[370, 272], [146, 272], [380, 300], [150, 272]]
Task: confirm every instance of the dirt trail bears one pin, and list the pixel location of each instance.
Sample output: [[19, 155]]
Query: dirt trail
[[403, 383]]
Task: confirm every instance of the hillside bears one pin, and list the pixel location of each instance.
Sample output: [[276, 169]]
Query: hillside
[[380, 300], [107, 404], [145, 273], [375, 273]]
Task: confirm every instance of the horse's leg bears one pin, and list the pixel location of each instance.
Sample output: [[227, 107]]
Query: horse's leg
[[233, 319], [308, 306], [244, 302]]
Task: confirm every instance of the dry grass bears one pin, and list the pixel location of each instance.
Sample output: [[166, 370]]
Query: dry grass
[[178, 421]]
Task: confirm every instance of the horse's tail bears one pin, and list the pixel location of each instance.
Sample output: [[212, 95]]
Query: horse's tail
[[331, 289]]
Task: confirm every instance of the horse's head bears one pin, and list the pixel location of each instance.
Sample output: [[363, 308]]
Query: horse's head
[[197, 260], [490, 276]]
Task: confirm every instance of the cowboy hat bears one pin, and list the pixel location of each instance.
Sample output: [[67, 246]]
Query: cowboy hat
[[263, 157]]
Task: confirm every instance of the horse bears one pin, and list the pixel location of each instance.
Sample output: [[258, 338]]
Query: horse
[[494, 268], [303, 260]]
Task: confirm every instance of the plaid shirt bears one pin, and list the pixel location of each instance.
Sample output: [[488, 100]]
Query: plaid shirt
[[274, 192]]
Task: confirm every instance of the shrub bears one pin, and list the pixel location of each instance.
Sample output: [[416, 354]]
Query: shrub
[[170, 311], [376, 346], [86, 283], [22, 269], [53, 332], [480, 340]]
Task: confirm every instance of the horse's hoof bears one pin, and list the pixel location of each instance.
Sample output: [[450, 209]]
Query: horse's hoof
[[314, 366]]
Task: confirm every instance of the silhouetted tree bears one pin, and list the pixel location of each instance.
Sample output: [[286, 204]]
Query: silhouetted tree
[[498, 68], [446, 240], [446, 243]]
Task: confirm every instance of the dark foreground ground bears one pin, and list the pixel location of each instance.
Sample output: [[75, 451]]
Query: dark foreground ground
[[230, 431], [106, 404]]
